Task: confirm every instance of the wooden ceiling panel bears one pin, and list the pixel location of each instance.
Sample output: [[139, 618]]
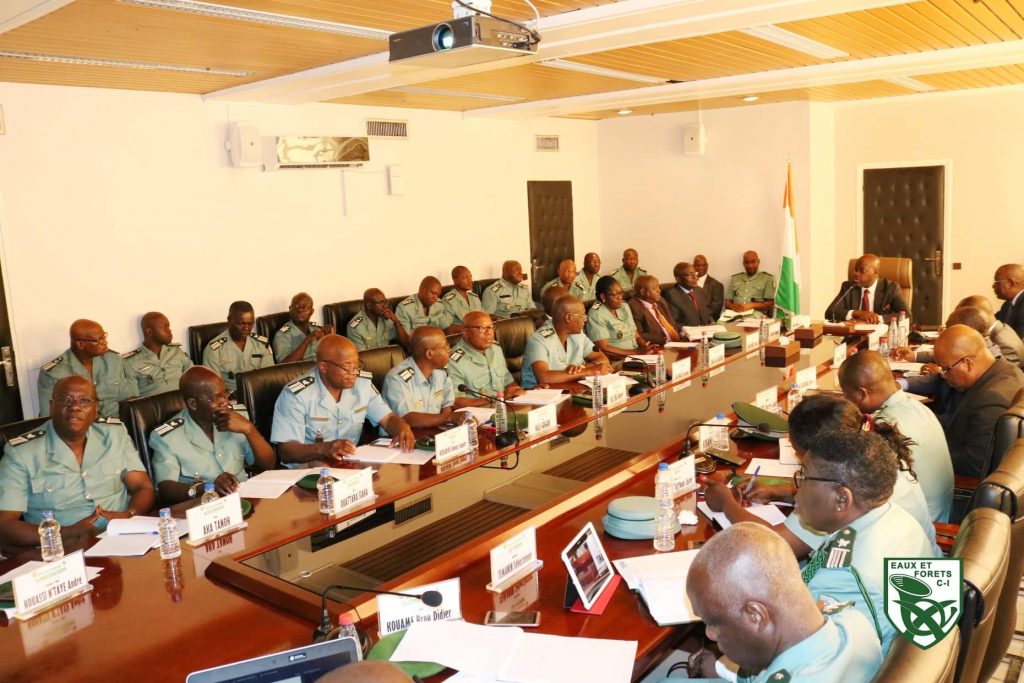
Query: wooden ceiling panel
[[416, 100], [17, 71], [976, 78]]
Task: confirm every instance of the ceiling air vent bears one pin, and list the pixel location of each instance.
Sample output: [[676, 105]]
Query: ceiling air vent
[[396, 130], [413, 510], [547, 143]]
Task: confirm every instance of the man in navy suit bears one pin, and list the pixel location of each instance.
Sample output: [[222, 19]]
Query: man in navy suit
[[867, 297], [1008, 286], [686, 301]]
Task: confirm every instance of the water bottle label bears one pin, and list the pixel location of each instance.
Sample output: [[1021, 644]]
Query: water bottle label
[[219, 517], [50, 585], [873, 340], [451, 443]]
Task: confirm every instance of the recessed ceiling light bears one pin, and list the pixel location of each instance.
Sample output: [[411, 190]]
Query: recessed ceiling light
[[795, 41], [751, 98], [118, 63], [623, 112]]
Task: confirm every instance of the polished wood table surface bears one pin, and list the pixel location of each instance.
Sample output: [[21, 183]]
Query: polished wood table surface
[[160, 620]]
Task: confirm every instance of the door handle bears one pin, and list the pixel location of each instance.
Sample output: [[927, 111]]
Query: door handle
[[936, 262], [8, 364]]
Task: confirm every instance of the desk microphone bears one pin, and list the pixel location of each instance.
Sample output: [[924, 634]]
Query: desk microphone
[[504, 439], [429, 598], [639, 387], [832, 309]]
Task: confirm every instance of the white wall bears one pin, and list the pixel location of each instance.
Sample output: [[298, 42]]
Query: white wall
[[980, 133], [113, 203]]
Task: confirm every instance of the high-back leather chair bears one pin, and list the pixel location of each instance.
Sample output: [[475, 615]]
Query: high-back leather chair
[[907, 663], [393, 301], [983, 543], [512, 334], [378, 361], [141, 415], [341, 313], [1009, 429], [894, 269], [480, 285], [258, 389], [199, 336], [13, 429], [537, 315], [268, 325]]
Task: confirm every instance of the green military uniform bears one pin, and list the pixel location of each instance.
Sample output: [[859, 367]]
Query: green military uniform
[[503, 298], [622, 277], [108, 374], [745, 289], [288, 338], [406, 390], [366, 335], [588, 288], [485, 372], [457, 307], [223, 356], [155, 374], [39, 472], [575, 288], [845, 649], [183, 453], [848, 565], [545, 345], [619, 330], [410, 313]]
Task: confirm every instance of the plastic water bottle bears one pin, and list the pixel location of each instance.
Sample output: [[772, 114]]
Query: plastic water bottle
[[325, 491], [49, 538], [704, 359], [894, 332], [659, 370], [170, 547], [472, 432], [883, 347], [347, 629], [762, 337], [720, 437], [665, 518], [209, 495], [904, 329], [500, 414], [793, 398], [598, 392]]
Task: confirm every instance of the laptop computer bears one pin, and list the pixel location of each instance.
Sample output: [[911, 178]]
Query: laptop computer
[[302, 665]]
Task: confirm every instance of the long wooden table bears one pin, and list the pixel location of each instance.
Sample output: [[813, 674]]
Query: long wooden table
[[161, 620]]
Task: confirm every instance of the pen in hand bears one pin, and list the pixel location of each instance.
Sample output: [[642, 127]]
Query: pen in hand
[[750, 484]]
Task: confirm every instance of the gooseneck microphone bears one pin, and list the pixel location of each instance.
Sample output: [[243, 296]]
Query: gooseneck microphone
[[639, 387], [504, 439], [832, 309], [429, 598]]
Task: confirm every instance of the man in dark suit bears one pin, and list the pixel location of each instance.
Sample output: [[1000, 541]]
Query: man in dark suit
[[686, 302], [988, 385], [1009, 286], [867, 297], [714, 291], [650, 313]]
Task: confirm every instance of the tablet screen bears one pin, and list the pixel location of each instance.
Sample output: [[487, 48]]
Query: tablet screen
[[588, 565]]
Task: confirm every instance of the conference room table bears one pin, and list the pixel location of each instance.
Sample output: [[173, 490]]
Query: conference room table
[[256, 591]]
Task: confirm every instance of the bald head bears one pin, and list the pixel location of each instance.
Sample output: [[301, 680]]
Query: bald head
[[965, 354], [156, 330], [197, 382], [959, 340], [512, 272], [371, 294], [424, 339], [977, 319], [550, 296], [866, 380], [751, 262], [567, 271], [367, 671], [333, 346], [647, 288], [1009, 281], [429, 291], [977, 301], [865, 272], [88, 340], [591, 263], [475, 318], [630, 260], [74, 383], [73, 420]]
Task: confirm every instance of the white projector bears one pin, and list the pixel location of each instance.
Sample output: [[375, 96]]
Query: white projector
[[460, 42]]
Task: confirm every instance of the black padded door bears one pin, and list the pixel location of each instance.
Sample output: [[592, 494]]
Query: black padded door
[[551, 238], [903, 214]]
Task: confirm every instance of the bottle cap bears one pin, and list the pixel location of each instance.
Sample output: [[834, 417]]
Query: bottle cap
[[165, 512], [208, 486], [325, 472], [719, 416], [345, 619], [662, 466], [47, 514]]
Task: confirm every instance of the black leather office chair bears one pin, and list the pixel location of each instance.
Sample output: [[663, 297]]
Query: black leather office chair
[[907, 663], [984, 545], [13, 429], [268, 325], [1009, 429], [141, 415], [378, 361], [199, 336], [480, 285], [341, 313], [258, 390], [454, 339], [512, 334], [536, 315], [395, 300]]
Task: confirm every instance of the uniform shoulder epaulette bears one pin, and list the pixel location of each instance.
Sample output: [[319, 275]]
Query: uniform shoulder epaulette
[[26, 437], [615, 271], [217, 343], [840, 549], [175, 345], [456, 356], [640, 270], [285, 327], [129, 354], [366, 374], [780, 676], [260, 338], [169, 426], [410, 300], [407, 374], [356, 321], [109, 421], [546, 331], [52, 364], [596, 306], [523, 285], [496, 287], [472, 293], [301, 383], [449, 296], [238, 406]]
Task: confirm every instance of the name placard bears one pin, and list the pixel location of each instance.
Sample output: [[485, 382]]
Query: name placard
[[397, 613], [50, 585], [519, 595], [799, 321], [838, 356], [716, 356], [751, 341], [774, 330], [513, 559], [787, 454], [216, 518], [807, 378], [617, 395], [353, 490], [681, 368], [540, 421], [451, 443], [873, 340], [683, 473], [704, 440], [767, 399]]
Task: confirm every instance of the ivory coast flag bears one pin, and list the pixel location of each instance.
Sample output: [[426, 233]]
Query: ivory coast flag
[[787, 296]]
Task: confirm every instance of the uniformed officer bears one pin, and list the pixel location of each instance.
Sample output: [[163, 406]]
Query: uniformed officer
[[210, 441], [751, 290], [479, 363], [157, 365], [510, 294], [422, 308], [746, 586], [587, 279], [630, 270], [83, 468], [461, 299], [418, 389], [567, 279], [237, 349], [376, 325], [610, 325], [89, 357], [562, 353], [319, 417], [297, 339]]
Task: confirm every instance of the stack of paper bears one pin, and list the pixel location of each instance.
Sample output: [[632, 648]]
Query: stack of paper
[[540, 397], [131, 537], [768, 513], [272, 483], [771, 468], [705, 330], [608, 379], [661, 581], [681, 345], [380, 452]]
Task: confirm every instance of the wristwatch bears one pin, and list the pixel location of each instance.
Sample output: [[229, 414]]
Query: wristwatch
[[194, 490]]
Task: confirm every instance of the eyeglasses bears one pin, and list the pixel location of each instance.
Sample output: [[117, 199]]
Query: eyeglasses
[[350, 368], [84, 403], [799, 478], [943, 370], [103, 338], [482, 328], [578, 315]]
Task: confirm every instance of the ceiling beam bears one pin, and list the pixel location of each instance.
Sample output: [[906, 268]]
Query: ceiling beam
[[15, 13], [594, 29], [834, 73]]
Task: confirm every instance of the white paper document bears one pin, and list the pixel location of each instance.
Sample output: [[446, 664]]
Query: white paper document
[[749, 323], [868, 327], [540, 397], [681, 345], [381, 455], [482, 415], [706, 330], [771, 468], [126, 545], [608, 379], [289, 476], [787, 454], [141, 525], [459, 645], [905, 366], [661, 581], [254, 488], [768, 513]]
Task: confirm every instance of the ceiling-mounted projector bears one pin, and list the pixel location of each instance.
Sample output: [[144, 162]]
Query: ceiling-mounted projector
[[460, 42]]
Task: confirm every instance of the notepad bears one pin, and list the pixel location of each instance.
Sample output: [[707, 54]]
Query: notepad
[[540, 397], [771, 468], [660, 580], [768, 513]]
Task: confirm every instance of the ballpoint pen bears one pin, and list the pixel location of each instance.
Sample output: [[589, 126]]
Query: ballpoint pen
[[750, 484]]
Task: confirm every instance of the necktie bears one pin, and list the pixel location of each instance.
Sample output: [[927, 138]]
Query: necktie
[[693, 298], [865, 304], [665, 324]]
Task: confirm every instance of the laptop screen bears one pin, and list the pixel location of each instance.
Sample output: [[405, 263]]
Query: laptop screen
[[301, 665]]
